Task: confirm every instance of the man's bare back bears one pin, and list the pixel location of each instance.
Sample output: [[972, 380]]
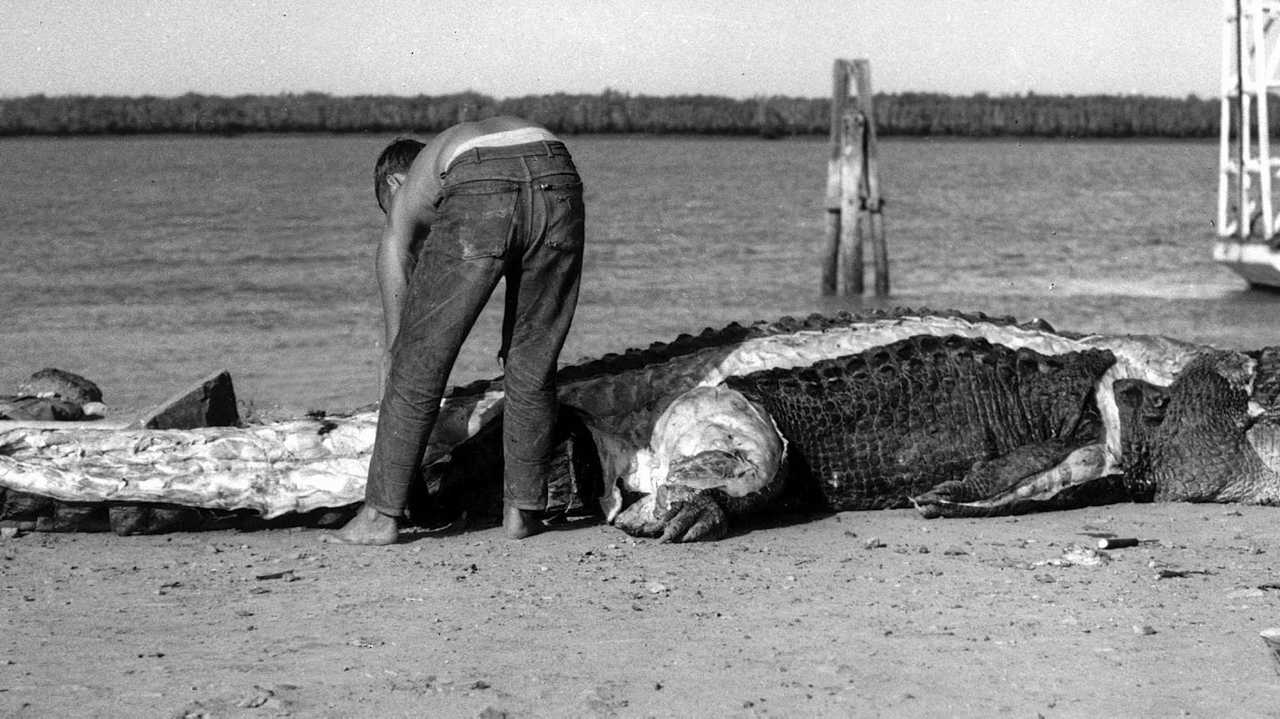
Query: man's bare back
[[455, 138], [422, 182]]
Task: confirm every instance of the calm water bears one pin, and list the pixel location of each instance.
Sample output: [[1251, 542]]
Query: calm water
[[146, 263]]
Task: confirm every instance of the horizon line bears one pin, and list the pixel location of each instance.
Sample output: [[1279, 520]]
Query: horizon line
[[605, 92]]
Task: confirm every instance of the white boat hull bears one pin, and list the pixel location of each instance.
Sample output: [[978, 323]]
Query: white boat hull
[[1257, 262]]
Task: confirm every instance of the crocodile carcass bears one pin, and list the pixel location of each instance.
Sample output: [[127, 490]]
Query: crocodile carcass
[[958, 414]]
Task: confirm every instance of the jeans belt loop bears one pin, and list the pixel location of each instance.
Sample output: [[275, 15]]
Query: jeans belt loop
[[476, 151], [547, 145]]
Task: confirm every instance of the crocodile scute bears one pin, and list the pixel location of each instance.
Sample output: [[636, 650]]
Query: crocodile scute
[[873, 429]]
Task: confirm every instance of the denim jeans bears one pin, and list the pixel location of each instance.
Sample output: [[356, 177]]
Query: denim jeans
[[512, 212]]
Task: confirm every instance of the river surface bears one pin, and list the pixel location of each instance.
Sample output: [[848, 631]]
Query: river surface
[[146, 263]]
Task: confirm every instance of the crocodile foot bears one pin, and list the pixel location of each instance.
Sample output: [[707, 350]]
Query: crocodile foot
[[1033, 477]]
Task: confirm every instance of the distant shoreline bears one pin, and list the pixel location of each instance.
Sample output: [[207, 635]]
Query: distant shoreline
[[896, 114], [638, 136]]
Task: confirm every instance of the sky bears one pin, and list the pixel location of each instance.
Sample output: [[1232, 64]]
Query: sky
[[653, 47]]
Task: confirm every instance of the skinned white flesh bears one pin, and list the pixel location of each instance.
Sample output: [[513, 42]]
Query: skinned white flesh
[[705, 420], [273, 469]]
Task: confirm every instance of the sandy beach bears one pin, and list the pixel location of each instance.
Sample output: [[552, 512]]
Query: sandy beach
[[851, 614]]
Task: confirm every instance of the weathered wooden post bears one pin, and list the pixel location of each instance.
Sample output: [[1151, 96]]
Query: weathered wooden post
[[831, 252], [872, 203], [853, 187]]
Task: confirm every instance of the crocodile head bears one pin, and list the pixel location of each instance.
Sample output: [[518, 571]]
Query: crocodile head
[[1198, 439]]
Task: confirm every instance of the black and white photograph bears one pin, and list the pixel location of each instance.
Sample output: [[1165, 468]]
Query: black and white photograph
[[507, 360]]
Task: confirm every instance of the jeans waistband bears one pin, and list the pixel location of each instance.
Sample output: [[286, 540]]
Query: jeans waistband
[[545, 148]]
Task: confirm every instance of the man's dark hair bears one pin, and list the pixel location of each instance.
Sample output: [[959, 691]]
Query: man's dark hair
[[396, 157]]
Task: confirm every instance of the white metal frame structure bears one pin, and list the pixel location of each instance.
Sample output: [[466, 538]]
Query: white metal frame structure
[[1250, 70], [1247, 220]]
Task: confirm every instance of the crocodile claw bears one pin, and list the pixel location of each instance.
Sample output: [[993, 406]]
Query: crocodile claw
[[692, 516]]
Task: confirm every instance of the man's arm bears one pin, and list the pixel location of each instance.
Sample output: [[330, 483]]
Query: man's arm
[[392, 267], [393, 263], [410, 216]]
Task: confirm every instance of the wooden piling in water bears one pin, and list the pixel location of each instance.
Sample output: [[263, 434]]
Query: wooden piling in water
[[831, 247], [853, 201]]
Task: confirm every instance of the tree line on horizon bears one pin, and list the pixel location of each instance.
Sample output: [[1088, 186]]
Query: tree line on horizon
[[909, 114]]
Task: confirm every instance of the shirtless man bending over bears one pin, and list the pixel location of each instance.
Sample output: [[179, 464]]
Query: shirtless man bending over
[[482, 201]]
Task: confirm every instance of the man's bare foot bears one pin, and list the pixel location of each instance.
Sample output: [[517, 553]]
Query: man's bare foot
[[369, 526], [520, 523]]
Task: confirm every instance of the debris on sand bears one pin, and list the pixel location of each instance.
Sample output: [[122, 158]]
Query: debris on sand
[[1179, 573], [1077, 555]]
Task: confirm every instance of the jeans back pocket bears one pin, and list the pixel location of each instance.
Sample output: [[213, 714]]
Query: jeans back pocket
[[473, 225], [566, 214]]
